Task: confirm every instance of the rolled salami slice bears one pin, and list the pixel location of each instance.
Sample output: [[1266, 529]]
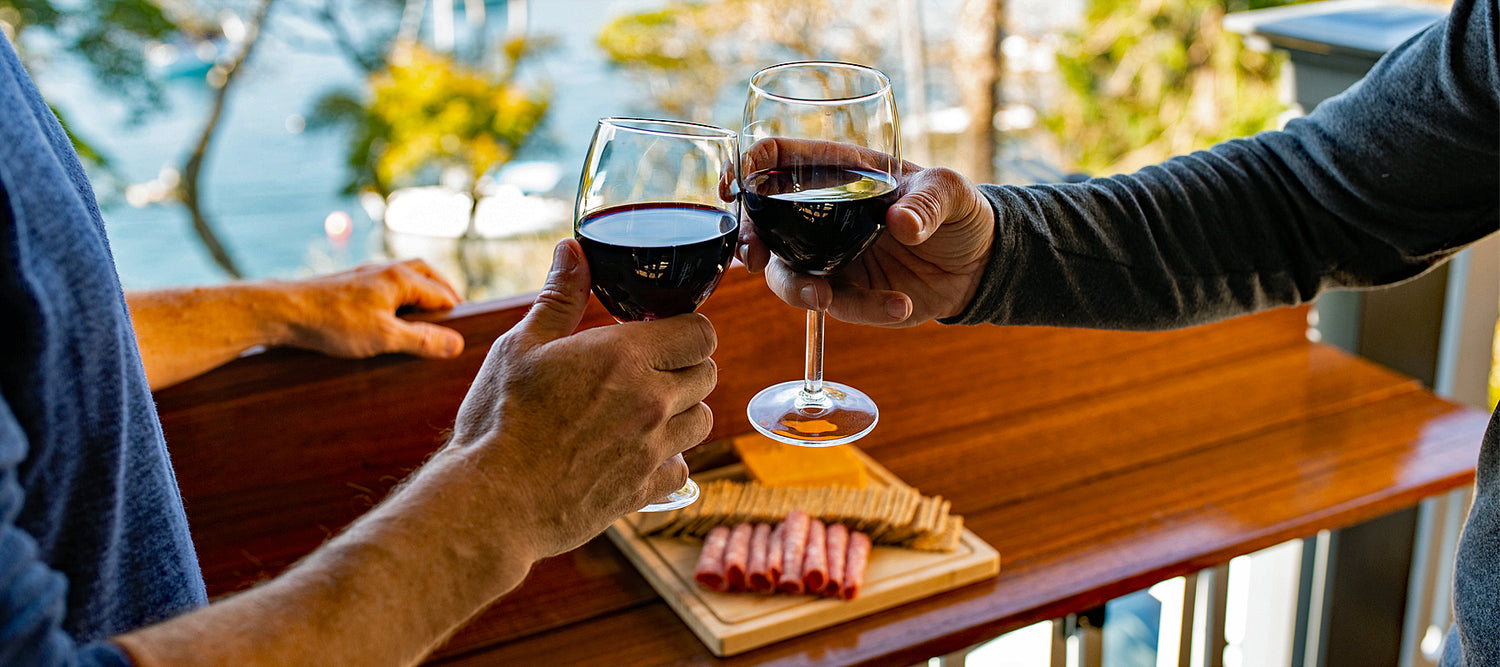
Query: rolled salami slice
[[815, 563], [793, 550], [710, 568], [854, 564], [837, 546], [758, 572], [774, 561], [737, 557]]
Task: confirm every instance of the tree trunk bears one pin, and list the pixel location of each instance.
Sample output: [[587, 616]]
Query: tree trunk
[[192, 170], [981, 25]]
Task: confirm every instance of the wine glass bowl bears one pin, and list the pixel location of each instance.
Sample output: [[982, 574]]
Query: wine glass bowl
[[821, 167], [818, 218], [822, 161], [654, 222]]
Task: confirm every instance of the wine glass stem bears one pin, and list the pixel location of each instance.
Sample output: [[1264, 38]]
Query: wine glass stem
[[812, 394]]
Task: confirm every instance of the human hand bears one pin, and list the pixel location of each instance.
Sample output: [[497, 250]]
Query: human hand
[[577, 430], [927, 265], [352, 314]]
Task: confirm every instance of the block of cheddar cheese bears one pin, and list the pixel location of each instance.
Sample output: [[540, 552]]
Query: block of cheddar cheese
[[774, 464]]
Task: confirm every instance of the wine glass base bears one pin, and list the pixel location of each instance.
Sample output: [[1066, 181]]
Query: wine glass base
[[782, 412], [678, 499]]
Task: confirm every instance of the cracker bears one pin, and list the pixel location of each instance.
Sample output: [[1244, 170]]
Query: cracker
[[875, 526], [889, 497], [869, 512], [774, 505], [945, 539], [708, 507], [755, 511], [941, 521], [744, 508], [954, 535], [908, 529], [682, 517], [785, 502], [908, 509], [843, 509], [817, 502], [928, 522]]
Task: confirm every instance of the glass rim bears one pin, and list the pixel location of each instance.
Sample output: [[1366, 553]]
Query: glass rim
[[668, 128], [885, 82]]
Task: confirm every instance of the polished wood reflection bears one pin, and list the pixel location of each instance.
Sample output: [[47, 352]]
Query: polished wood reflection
[[1097, 463]]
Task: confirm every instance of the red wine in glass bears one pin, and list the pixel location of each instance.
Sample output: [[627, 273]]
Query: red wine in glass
[[820, 168], [818, 218], [658, 259], [657, 223]]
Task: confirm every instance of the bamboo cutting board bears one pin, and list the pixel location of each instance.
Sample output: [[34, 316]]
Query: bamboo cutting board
[[732, 623]]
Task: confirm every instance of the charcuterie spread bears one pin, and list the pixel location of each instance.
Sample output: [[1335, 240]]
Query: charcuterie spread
[[812, 558], [804, 524], [894, 515], [787, 540]]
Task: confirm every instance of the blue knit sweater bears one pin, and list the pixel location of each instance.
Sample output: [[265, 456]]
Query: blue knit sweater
[[93, 538]]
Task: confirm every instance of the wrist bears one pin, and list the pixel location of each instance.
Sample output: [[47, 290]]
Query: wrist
[[481, 509], [985, 221], [277, 311]]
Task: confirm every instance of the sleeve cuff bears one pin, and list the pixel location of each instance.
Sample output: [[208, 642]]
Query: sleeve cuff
[[981, 309]]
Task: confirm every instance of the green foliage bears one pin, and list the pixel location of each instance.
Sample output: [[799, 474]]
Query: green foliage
[[687, 53], [1146, 81], [426, 111], [110, 35]]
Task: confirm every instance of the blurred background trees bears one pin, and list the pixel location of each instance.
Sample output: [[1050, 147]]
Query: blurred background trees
[[694, 58], [424, 113], [441, 94], [1149, 80]]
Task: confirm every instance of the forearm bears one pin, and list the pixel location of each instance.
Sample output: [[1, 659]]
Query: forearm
[[385, 592], [183, 332], [1140, 253], [1376, 186]]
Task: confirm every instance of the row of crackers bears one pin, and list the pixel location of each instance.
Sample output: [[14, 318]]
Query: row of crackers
[[896, 515]]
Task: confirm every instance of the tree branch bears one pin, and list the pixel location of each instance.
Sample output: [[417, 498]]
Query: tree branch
[[190, 193]]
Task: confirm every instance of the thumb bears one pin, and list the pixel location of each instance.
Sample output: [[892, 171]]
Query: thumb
[[931, 198], [559, 306]]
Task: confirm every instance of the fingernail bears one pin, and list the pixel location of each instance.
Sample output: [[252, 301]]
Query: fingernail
[[453, 345], [809, 296], [896, 308], [563, 258], [916, 220]]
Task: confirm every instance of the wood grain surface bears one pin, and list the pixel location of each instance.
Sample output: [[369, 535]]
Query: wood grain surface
[[1096, 462]]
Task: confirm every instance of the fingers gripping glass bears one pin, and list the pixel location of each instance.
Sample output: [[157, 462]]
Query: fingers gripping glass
[[820, 168], [654, 227]]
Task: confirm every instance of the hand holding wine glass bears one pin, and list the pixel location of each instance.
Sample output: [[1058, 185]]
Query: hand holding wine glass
[[940, 235], [654, 228], [817, 209]]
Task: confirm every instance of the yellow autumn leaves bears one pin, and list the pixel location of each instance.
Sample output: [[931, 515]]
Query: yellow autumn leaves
[[434, 111]]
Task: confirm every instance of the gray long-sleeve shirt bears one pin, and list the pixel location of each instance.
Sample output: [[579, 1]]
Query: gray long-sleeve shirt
[[1375, 186]]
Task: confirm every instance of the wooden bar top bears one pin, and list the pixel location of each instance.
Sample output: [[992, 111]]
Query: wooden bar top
[[1097, 463]]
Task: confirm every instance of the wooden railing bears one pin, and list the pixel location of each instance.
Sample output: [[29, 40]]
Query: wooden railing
[[1097, 463]]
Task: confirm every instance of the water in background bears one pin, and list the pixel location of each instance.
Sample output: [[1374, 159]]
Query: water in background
[[269, 187]]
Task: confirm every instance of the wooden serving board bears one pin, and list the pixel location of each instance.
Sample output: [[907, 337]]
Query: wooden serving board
[[732, 623]]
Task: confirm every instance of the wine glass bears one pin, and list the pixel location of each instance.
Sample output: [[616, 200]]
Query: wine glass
[[655, 231], [820, 168]]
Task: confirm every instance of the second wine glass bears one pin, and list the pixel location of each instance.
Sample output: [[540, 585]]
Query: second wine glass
[[820, 168], [654, 227]]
